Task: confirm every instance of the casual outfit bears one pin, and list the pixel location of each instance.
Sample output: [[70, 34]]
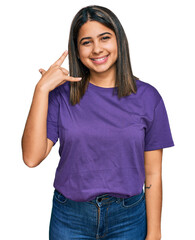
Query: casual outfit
[[102, 144]]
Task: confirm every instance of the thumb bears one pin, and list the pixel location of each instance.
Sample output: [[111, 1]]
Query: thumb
[[42, 71]]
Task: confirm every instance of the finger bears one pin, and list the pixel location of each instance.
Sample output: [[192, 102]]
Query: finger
[[72, 79], [64, 70], [61, 59], [42, 71]]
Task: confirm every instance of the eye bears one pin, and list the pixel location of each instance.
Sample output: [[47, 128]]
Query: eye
[[85, 43], [104, 38]]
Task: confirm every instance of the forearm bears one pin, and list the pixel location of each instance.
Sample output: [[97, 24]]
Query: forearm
[[153, 193], [34, 139]]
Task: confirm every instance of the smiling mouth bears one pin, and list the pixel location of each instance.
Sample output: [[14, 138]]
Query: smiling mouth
[[99, 59]]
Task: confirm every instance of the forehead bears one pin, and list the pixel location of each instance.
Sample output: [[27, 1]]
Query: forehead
[[92, 29]]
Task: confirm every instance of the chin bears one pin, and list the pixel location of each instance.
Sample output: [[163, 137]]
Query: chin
[[101, 68]]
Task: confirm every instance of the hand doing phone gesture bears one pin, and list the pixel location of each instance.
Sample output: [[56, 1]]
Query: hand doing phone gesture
[[56, 75], [35, 145]]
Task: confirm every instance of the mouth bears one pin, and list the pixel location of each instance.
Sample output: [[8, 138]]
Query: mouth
[[100, 59]]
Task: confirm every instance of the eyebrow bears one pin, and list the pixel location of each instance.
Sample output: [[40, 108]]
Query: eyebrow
[[97, 36]]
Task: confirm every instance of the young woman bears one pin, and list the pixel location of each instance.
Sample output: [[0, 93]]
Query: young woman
[[112, 129]]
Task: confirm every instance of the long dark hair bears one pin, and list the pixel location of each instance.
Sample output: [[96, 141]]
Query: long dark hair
[[125, 80]]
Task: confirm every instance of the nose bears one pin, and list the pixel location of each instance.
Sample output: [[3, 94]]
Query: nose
[[97, 48]]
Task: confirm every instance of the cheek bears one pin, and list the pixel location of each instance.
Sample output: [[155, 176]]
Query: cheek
[[115, 53], [84, 52], [112, 47]]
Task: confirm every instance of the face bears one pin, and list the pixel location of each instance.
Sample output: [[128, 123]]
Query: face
[[97, 47]]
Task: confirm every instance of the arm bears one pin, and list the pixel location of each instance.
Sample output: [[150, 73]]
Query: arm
[[35, 145], [153, 193]]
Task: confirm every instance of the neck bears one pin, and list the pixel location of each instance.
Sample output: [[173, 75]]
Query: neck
[[103, 79]]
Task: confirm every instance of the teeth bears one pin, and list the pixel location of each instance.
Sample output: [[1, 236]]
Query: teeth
[[99, 59]]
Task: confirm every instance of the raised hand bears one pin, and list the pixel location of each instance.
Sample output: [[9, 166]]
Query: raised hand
[[56, 75]]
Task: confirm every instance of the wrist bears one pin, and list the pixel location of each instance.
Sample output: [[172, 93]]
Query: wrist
[[41, 88], [153, 237]]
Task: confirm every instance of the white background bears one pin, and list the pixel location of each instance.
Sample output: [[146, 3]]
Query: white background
[[33, 35]]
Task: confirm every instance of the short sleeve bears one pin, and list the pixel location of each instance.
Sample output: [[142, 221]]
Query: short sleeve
[[52, 117], [158, 134]]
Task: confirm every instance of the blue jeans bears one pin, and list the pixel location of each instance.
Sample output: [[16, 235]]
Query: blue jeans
[[104, 217]]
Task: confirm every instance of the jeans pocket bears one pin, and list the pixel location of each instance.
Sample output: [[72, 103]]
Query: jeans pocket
[[59, 197], [133, 201]]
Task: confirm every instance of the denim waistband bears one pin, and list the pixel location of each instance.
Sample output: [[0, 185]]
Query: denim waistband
[[103, 198]]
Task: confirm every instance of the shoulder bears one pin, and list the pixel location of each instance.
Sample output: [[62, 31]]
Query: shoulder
[[148, 93], [65, 86], [60, 90]]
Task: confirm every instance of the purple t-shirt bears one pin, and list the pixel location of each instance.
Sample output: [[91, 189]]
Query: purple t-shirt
[[103, 139]]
